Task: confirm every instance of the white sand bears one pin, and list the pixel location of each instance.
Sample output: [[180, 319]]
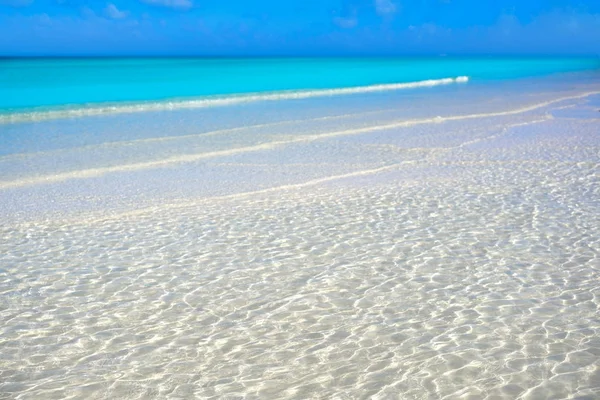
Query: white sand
[[452, 258]]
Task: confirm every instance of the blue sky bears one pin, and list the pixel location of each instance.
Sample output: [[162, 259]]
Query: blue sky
[[298, 27]]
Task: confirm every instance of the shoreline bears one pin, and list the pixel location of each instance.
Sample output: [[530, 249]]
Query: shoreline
[[267, 143]]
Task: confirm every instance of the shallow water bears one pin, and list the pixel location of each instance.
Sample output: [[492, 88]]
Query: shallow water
[[88, 86], [445, 259]]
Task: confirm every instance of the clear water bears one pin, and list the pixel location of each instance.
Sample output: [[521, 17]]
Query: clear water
[[439, 242], [31, 83]]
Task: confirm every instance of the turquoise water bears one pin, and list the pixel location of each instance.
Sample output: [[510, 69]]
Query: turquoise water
[[32, 83]]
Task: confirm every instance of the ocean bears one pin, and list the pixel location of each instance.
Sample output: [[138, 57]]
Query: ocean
[[300, 228], [109, 85]]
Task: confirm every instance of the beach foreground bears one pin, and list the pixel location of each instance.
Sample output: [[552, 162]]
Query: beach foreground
[[364, 250]]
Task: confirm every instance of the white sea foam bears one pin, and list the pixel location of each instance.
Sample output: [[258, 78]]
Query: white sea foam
[[217, 101], [169, 161], [164, 139]]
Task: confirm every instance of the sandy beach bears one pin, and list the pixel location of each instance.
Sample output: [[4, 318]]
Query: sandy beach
[[345, 248]]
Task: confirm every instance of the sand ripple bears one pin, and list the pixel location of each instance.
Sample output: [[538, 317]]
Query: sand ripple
[[454, 289]]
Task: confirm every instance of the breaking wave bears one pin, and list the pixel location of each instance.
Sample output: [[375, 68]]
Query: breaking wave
[[213, 101]]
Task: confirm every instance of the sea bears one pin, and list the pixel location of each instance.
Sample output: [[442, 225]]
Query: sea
[[300, 228]]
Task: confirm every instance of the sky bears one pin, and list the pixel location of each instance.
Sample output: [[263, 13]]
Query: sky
[[299, 27]]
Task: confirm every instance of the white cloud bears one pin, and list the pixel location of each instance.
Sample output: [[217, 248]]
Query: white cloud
[[177, 4], [385, 7], [111, 11]]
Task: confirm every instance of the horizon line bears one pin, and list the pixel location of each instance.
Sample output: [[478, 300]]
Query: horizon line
[[313, 56]]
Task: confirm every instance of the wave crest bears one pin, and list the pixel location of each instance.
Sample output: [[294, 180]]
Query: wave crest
[[123, 108]]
